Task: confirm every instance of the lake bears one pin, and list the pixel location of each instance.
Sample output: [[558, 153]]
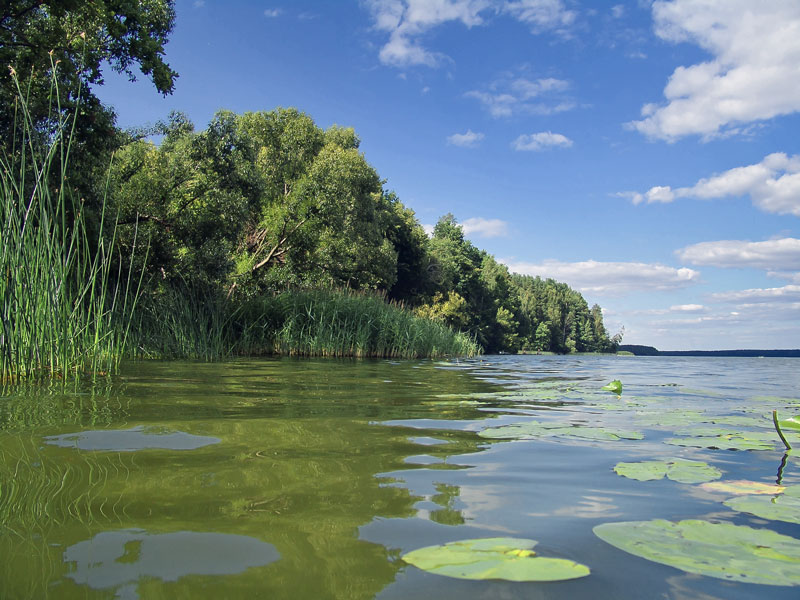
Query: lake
[[288, 478]]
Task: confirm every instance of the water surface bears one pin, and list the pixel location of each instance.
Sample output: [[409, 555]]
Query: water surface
[[310, 478]]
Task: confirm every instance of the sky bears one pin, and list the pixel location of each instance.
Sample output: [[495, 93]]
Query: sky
[[645, 153]]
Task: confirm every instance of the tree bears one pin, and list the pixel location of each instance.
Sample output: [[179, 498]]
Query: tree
[[68, 42]]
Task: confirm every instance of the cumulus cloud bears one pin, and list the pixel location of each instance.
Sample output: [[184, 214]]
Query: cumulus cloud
[[610, 278], [406, 21], [753, 75], [773, 185], [470, 139], [540, 141], [510, 95], [485, 227], [779, 255]]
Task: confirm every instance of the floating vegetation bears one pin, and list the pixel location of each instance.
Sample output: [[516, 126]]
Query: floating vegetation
[[721, 550], [676, 469], [535, 429], [494, 558], [615, 387], [724, 439], [743, 486], [783, 507]]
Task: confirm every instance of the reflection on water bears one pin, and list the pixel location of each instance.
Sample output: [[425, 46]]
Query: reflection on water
[[118, 559], [309, 478], [130, 440]]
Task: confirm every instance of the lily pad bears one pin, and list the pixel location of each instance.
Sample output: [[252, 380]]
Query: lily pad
[[712, 437], [494, 558], [782, 508], [721, 550], [535, 429], [792, 423], [615, 387], [676, 469], [743, 487]]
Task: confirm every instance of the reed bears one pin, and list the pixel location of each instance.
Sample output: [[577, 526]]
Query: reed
[[343, 323], [64, 310], [185, 320]]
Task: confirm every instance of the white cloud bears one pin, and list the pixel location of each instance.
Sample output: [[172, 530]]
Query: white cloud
[[610, 278], [687, 308], [540, 141], [678, 308], [485, 227], [618, 11], [774, 255], [787, 275], [773, 185], [511, 95], [470, 139], [754, 72], [428, 228], [541, 15], [782, 295], [272, 13], [199, 3], [407, 21]]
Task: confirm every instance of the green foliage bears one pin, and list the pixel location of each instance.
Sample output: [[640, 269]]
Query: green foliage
[[494, 558], [81, 38], [615, 387], [721, 550]]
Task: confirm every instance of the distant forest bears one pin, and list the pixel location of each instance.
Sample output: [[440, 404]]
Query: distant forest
[[651, 351]]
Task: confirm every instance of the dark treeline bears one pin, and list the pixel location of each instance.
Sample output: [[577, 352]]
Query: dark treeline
[[639, 350], [208, 223]]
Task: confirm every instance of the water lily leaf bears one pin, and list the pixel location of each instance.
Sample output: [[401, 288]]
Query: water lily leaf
[[535, 429], [615, 386], [676, 469], [743, 487], [792, 423], [781, 508], [722, 550], [724, 439], [494, 558]]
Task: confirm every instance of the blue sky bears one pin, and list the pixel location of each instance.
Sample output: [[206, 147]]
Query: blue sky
[[646, 153]]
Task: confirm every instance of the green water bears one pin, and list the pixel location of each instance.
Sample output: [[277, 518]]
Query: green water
[[310, 478]]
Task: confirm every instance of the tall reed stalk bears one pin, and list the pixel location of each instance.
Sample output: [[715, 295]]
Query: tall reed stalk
[[64, 309]]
